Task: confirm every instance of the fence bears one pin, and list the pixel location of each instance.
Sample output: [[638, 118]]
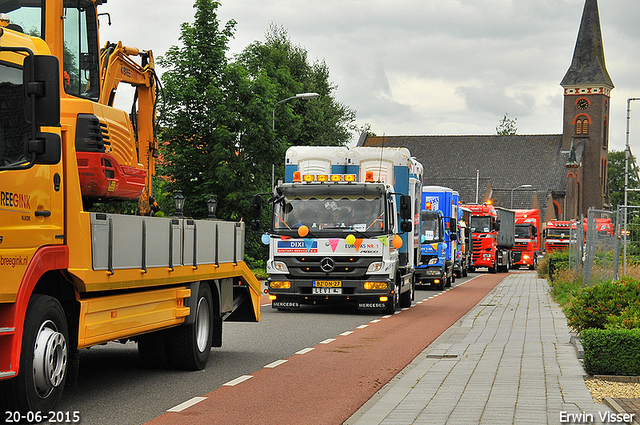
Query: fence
[[606, 246]]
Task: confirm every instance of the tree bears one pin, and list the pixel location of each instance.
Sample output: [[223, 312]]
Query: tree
[[217, 135], [320, 122], [615, 174], [506, 126]]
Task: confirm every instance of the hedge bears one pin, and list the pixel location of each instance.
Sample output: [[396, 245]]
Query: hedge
[[611, 351]]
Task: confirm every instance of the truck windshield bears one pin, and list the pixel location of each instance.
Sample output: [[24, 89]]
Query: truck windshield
[[24, 16], [523, 231], [430, 230], [13, 125], [329, 216], [480, 224], [81, 51]]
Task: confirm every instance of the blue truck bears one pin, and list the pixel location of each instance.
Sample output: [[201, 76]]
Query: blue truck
[[439, 233]]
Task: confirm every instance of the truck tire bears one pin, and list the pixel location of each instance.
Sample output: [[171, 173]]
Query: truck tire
[[43, 359], [392, 303], [407, 297], [189, 346]]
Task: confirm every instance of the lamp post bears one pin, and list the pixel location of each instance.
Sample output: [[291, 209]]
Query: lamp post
[[522, 186], [212, 204], [298, 96], [179, 199], [627, 154]]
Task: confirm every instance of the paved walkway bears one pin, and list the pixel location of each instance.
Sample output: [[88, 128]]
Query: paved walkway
[[508, 361]]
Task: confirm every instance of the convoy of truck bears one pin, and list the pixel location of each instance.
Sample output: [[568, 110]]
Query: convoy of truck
[[346, 225], [344, 228], [72, 278]]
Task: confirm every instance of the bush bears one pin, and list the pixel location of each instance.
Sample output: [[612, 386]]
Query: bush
[[629, 318], [553, 263], [593, 305], [611, 351]]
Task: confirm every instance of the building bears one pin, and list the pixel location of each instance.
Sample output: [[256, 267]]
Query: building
[[561, 174]]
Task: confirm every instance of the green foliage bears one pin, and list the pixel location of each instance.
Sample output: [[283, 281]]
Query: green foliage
[[506, 126], [611, 351], [629, 318], [551, 263], [217, 135], [593, 305]]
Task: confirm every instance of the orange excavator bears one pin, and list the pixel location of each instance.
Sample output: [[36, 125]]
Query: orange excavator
[[116, 153]]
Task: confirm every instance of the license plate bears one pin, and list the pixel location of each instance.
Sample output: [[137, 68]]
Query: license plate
[[327, 291], [327, 283]]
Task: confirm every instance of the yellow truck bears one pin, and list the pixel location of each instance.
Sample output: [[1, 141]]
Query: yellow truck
[[72, 278]]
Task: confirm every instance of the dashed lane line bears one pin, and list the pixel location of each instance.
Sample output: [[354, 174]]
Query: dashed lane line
[[180, 407]]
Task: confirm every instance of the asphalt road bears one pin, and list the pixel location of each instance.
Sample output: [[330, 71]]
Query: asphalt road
[[114, 387]]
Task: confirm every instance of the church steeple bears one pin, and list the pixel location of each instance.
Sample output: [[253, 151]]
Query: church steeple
[[588, 65], [585, 134]]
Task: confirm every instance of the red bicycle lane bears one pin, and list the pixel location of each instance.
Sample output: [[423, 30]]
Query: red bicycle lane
[[329, 382]]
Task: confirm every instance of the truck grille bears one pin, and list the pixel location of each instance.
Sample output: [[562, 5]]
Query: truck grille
[[343, 267], [520, 246]]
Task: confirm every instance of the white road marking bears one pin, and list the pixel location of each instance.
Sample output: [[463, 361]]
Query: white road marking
[[237, 381], [305, 350], [275, 364], [180, 407]]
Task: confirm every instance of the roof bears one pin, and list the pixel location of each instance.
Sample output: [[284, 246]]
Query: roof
[[588, 65], [471, 164]]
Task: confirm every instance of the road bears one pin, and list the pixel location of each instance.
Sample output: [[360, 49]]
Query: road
[[114, 387]]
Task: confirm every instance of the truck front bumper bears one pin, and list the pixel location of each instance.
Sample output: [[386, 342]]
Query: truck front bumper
[[429, 275], [305, 291]]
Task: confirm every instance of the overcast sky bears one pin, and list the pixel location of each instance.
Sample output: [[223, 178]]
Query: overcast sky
[[426, 67]]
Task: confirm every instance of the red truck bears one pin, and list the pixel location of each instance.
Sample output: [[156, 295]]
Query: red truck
[[492, 237], [557, 235], [557, 232], [528, 240]]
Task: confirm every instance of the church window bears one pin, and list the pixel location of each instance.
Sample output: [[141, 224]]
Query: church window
[[582, 126]]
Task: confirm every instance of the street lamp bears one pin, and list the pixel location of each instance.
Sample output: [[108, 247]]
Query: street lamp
[[212, 204], [179, 199], [522, 186], [627, 154], [298, 96]]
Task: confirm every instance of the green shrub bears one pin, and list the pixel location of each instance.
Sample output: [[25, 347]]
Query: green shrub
[[592, 306], [552, 263], [629, 318], [611, 351]]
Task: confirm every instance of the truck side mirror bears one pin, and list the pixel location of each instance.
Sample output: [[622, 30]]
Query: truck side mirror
[[41, 81], [405, 207], [534, 229], [453, 236], [496, 227], [43, 90], [256, 212], [406, 226]]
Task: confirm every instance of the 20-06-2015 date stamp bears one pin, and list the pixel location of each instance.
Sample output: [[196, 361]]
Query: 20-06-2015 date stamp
[[54, 417]]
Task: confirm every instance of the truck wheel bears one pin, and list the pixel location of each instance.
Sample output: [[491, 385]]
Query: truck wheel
[[406, 298], [392, 303], [43, 359], [188, 346]]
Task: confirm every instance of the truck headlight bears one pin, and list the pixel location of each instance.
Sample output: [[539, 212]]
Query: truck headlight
[[375, 267], [433, 261], [279, 266]]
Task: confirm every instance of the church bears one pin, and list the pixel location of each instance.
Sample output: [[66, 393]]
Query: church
[[563, 175]]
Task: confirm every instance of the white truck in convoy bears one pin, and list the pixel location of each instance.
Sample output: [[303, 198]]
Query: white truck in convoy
[[344, 228]]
